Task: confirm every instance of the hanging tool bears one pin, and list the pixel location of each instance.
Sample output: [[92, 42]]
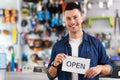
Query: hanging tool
[[111, 20], [117, 23]]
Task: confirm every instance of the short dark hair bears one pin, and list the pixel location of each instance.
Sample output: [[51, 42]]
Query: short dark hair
[[73, 5]]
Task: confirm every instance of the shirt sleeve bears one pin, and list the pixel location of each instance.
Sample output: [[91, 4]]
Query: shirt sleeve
[[53, 54], [103, 57]]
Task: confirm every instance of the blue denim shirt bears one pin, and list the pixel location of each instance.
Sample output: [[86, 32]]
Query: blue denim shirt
[[90, 48]]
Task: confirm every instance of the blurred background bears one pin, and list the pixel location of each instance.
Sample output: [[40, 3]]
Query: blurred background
[[29, 29]]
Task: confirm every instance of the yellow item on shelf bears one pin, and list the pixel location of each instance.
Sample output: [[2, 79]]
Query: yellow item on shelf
[[14, 34], [119, 50]]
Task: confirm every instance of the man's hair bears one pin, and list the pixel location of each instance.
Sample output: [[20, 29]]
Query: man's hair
[[73, 5]]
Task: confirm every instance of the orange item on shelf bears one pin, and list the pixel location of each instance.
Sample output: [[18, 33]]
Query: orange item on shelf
[[7, 19], [6, 32], [7, 12], [63, 6], [14, 12], [3, 20], [13, 19]]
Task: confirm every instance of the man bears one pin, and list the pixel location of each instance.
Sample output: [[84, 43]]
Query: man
[[80, 44]]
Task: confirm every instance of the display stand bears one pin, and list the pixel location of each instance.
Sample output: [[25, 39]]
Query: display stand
[[26, 76], [2, 66], [2, 74]]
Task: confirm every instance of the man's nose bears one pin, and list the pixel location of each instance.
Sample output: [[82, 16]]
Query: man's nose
[[72, 22]]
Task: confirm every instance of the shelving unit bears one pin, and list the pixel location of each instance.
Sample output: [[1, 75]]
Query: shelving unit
[[97, 27]]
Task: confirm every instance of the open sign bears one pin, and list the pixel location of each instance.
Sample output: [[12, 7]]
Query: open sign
[[75, 64]]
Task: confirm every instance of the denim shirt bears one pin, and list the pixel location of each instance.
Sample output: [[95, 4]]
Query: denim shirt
[[90, 48]]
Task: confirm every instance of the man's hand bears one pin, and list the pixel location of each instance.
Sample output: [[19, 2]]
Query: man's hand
[[93, 71], [59, 59]]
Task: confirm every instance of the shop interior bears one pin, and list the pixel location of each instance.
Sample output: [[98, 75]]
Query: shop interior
[[29, 29]]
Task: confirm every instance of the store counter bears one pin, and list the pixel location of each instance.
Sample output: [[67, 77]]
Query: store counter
[[36, 76], [26, 76], [109, 79]]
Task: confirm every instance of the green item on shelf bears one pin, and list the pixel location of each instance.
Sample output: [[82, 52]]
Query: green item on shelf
[[111, 20]]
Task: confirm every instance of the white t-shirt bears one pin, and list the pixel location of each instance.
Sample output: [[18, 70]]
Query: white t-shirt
[[75, 45]]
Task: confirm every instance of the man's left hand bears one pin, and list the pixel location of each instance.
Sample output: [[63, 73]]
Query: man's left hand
[[93, 71]]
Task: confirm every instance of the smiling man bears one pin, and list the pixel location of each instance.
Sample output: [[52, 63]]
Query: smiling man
[[79, 44]]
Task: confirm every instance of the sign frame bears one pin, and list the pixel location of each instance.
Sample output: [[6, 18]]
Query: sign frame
[[76, 64]]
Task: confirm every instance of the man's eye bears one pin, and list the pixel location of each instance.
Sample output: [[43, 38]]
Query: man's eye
[[68, 18], [75, 17]]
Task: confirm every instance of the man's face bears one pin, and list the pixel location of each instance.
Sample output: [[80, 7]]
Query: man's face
[[73, 20]]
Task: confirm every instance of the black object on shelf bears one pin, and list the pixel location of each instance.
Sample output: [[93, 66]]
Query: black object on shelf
[[116, 72], [38, 69]]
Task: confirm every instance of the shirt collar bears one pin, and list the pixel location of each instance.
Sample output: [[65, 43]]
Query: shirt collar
[[85, 37]]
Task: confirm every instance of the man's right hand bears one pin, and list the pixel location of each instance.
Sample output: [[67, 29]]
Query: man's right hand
[[59, 59]]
